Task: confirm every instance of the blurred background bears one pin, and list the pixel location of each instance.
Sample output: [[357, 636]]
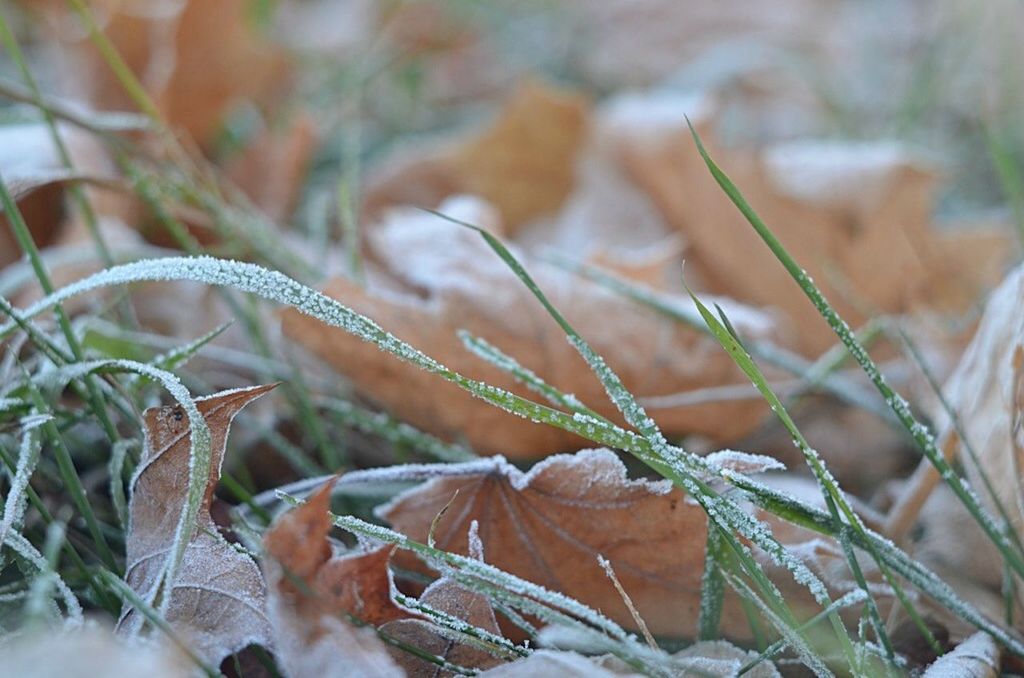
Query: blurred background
[[879, 139]]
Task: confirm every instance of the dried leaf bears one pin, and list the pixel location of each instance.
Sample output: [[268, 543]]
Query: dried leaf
[[524, 164], [553, 522], [196, 59], [309, 591], [986, 390], [36, 177], [356, 583], [216, 602], [976, 657], [446, 596], [720, 658], [272, 167], [440, 278], [857, 216]]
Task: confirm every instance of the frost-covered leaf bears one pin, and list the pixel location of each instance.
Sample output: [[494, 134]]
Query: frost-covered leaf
[[36, 178], [439, 278], [448, 597], [986, 390], [310, 592], [861, 210], [976, 657], [744, 462], [216, 601], [357, 583], [549, 525], [719, 658]]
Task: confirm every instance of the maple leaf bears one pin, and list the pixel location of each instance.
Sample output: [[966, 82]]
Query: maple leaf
[[549, 526], [216, 601]]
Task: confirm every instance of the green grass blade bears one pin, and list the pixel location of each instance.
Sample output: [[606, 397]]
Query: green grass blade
[[920, 433], [712, 587]]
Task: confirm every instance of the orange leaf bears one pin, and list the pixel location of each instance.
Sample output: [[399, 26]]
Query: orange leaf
[[309, 591], [440, 278], [549, 525]]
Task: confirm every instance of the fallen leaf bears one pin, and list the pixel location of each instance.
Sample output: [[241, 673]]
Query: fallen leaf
[[308, 590], [855, 215], [524, 163], [439, 278], [609, 222], [721, 658], [272, 166], [553, 521], [216, 601], [197, 60], [986, 390], [356, 583], [976, 657], [37, 179], [447, 596], [550, 524]]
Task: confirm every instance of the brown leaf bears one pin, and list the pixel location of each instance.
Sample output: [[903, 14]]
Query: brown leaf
[[856, 216], [524, 163], [552, 522], [549, 526], [451, 598], [440, 278], [309, 591], [446, 596], [986, 390], [37, 178], [272, 167], [355, 583], [216, 601], [196, 59]]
